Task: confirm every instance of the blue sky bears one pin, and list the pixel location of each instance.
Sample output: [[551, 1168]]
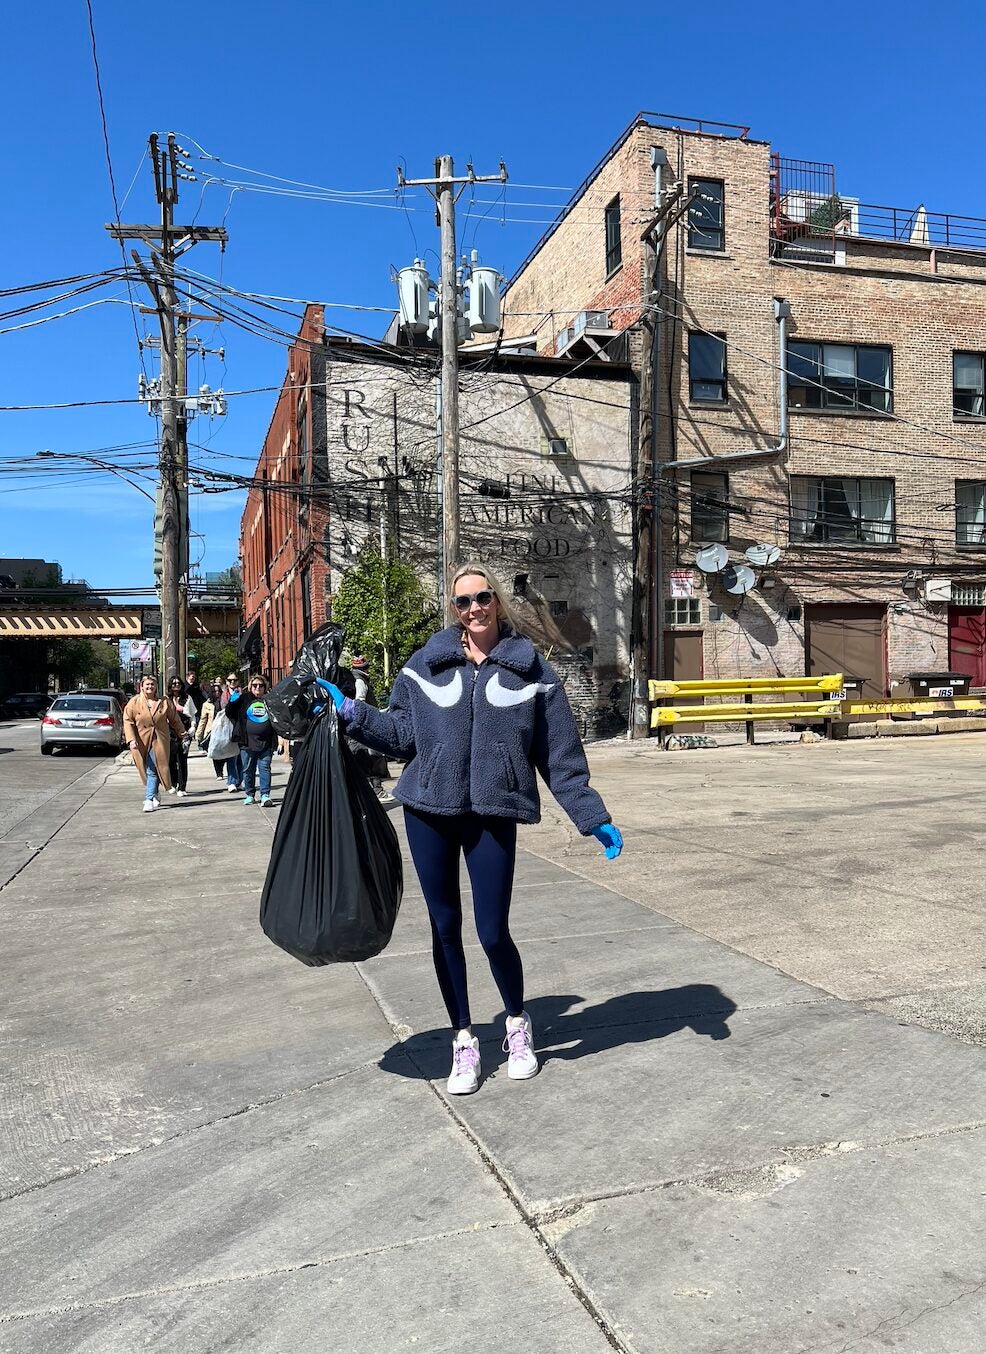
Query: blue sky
[[336, 95]]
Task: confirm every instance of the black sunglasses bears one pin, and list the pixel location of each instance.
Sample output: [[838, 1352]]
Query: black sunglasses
[[465, 599]]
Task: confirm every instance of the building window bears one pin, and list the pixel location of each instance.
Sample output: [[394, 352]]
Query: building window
[[710, 514], [839, 376], [614, 247], [306, 604], [827, 510], [707, 368], [967, 385], [970, 512], [682, 611], [706, 215]]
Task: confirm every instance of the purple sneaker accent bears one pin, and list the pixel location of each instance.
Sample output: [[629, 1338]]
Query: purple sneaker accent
[[465, 1059]]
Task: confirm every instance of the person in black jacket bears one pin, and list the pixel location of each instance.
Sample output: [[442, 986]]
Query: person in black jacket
[[476, 712], [256, 736]]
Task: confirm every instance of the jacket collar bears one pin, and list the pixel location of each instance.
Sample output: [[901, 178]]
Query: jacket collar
[[514, 652]]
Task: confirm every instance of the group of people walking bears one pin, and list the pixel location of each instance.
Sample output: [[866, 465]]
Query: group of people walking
[[160, 731]]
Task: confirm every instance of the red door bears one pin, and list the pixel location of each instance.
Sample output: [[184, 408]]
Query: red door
[[967, 642]]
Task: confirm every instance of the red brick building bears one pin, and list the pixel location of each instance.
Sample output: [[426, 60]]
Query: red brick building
[[284, 571]]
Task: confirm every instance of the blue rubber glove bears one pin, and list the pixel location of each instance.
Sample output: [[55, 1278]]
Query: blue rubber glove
[[333, 692], [611, 837]]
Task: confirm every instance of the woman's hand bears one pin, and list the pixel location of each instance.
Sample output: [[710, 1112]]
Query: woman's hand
[[611, 838], [331, 691], [133, 745]]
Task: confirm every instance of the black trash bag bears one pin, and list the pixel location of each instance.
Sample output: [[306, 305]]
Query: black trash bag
[[335, 879], [292, 703]]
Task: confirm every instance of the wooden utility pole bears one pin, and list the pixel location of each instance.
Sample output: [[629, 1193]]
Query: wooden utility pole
[[448, 304], [167, 242], [648, 585], [443, 187], [181, 475]]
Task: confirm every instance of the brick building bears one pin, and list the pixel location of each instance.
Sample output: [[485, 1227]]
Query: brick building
[[547, 450], [860, 451]]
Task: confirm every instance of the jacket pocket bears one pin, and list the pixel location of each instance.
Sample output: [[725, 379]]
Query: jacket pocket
[[509, 773], [429, 765]]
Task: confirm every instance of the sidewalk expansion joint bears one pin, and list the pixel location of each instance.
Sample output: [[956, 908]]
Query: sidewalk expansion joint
[[276, 1271], [108, 771], [745, 1181], [526, 1217], [188, 1132]]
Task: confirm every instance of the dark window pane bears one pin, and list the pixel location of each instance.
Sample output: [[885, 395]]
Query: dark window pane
[[710, 518], [706, 367], [706, 214], [970, 512], [873, 374], [804, 376], [967, 383], [614, 249]]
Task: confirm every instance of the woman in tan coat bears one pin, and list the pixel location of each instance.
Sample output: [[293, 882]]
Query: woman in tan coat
[[147, 725]]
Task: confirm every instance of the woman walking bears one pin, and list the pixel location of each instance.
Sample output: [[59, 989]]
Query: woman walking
[[148, 723], [477, 710], [178, 761], [255, 734]]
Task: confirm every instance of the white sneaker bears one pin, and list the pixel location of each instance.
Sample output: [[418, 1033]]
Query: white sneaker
[[519, 1045], [232, 790], [156, 802], [464, 1077], [172, 790], [182, 794], [150, 805]]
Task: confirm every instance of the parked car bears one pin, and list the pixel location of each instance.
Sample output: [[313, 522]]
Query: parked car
[[113, 691], [85, 720], [25, 705]]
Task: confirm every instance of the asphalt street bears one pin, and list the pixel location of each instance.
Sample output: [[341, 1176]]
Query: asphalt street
[[759, 1125]]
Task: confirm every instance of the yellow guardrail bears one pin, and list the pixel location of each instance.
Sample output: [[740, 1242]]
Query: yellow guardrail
[[824, 699]]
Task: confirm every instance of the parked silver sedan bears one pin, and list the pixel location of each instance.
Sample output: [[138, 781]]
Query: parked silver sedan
[[81, 720]]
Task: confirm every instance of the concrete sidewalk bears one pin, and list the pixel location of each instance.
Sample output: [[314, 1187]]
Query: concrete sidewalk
[[209, 1146]]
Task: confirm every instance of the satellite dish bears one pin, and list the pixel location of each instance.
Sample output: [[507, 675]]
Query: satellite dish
[[738, 579], [762, 555], [712, 559]]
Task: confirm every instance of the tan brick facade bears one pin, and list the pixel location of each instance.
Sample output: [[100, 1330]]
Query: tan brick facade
[[920, 300]]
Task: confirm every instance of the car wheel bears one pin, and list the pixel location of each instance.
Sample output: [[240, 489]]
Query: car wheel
[[46, 749]]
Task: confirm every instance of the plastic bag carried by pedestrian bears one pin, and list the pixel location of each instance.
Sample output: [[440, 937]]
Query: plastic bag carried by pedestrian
[[292, 703], [335, 879], [222, 744]]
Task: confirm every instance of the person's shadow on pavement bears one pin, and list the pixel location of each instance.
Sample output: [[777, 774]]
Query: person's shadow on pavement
[[560, 1033]]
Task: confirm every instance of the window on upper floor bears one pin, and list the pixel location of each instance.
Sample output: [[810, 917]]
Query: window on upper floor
[[706, 215], [839, 377], [707, 368], [710, 513], [829, 509], [614, 245], [967, 385], [970, 512]]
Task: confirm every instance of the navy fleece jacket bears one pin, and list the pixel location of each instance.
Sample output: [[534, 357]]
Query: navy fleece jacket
[[475, 734]]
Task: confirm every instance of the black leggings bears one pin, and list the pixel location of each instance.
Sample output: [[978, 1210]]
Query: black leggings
[[178, 766], [489, 846]]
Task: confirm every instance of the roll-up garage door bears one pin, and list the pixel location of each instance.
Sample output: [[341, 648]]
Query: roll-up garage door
[[851, 640]]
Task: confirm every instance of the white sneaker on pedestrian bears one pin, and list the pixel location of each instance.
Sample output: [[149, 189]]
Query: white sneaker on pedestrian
[[519, 1045], [386, 797], [232, 789], [464, 1077], [172, 790], [150, 805], [156, 802], [182, 794]]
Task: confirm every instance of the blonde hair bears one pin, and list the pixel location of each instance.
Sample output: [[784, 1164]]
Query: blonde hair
[[496, 587]]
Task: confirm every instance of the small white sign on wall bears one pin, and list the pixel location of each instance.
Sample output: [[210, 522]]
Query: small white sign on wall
[[682, 583]]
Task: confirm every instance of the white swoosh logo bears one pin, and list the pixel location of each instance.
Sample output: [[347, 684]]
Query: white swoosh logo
[[502, 697], [445, 696]]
